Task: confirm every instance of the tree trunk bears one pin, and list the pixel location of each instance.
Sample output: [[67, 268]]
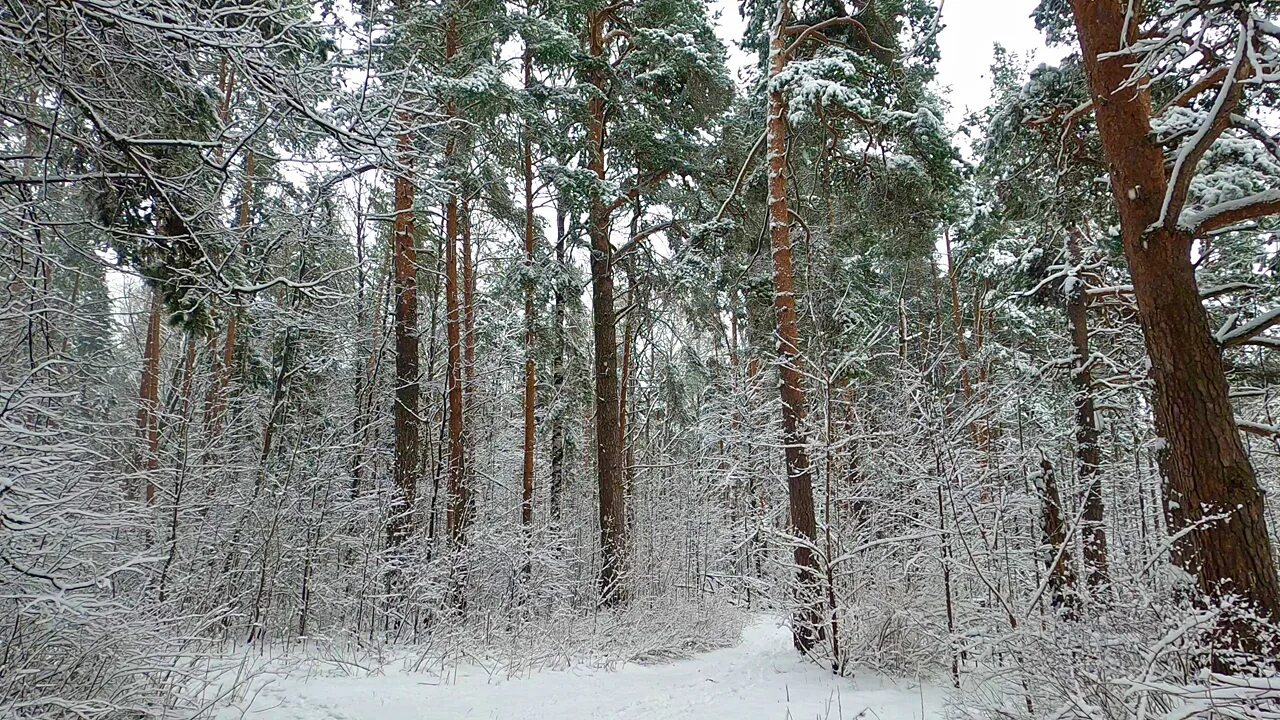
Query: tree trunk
[[457, 505], [604, 325], [458, 500], [468, 311], [976, 429], [1203, 459], [1062, 580], [470, 401], [944, 557], [557, 378], [149, 396], [277, 408], [807, 624], [405, 269], [1088, 454], [530, 367], [624, 387]]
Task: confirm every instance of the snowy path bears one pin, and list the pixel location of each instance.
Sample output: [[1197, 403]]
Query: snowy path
[[760, 678]]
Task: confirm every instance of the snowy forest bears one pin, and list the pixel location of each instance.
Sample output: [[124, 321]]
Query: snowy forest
[[400, 359]]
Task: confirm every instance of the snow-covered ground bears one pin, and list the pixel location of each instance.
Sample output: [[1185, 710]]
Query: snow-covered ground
[[760, 678]]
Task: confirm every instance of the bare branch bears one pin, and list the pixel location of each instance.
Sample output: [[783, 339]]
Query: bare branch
[[742, 174], [804, 33], [634, 242]]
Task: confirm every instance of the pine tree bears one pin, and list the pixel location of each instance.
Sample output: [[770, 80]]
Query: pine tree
[[656, 60], [1160, 218]]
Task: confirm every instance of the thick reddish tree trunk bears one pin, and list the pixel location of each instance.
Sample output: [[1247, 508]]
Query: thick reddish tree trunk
[[457, 486], [530, 366], [458, 499], [807, 627], [149, 396], [978, 429], [1207, 472], [613, 515], [405, 414]]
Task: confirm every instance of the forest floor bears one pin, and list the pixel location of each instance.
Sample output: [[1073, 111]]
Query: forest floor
[[759, 678]]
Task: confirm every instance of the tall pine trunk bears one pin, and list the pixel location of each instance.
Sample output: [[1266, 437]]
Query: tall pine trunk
[[629, 330], [458, 501], [1203, 459], [405, 414], [216, 400], [807, 626], [457, 488], [530, 366], [977, 429], [604, 326], [149, 396]]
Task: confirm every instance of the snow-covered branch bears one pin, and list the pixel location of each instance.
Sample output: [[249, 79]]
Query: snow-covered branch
[[1233, 212], [1232, 334]]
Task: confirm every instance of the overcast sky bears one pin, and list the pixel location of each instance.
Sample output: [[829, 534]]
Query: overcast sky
[[971, 29]]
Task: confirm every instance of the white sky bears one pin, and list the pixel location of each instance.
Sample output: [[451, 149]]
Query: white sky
[[971, 29]]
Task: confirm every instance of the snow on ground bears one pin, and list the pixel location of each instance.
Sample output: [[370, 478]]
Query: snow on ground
[[760, 678]]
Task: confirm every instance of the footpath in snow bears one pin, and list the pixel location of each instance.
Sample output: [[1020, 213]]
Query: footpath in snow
[[760, 678]]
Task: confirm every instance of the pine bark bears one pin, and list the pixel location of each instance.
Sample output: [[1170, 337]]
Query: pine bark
[[457, 486], [604, 329], [458, 500], [530, 364], [405, 413], [807, 627], [1203, 460], [977, 428], [149, 397], [470, 257]]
